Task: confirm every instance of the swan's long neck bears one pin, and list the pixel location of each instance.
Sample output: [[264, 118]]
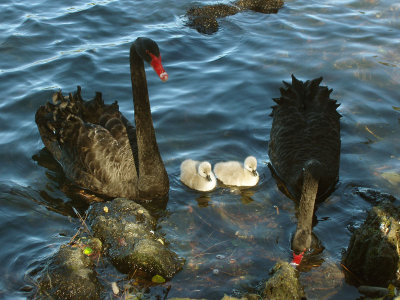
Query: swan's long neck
[[306, 209], [153, 178], [303, 236], [307, 201]]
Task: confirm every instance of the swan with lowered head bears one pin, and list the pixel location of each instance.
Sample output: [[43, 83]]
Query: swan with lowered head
[[96, 145], [235, 174], [304, 150], [198, 175]]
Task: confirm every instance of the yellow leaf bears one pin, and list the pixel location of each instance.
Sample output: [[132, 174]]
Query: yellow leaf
[[87, 251], [392, 177], [396, 108], [158, 279]]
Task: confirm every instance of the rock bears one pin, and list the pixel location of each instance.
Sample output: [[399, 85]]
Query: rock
[[373, 291], [203, 24], [284, 283], [127, 232], [69, 274], [251, 297], [322, 282], [373, 196], [244, 297], [204, 18], [226, 297], [371, 255], [262, 6], [184, 299], [215, 11]]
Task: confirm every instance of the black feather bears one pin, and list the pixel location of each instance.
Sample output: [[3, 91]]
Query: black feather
[[83, 136], [305, 128]]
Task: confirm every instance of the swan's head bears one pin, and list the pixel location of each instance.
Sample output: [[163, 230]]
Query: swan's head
[[300, 244], [250, 164], [148, 50], [205, 170]]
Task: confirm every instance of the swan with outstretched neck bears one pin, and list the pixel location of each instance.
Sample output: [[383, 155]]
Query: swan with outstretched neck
[[304, 150], [98, 148]]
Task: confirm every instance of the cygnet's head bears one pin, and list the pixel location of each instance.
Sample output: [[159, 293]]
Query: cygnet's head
[[250, 164], [205, 170]]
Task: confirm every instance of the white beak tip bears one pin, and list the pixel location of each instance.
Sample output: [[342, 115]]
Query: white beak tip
[[164, 76]]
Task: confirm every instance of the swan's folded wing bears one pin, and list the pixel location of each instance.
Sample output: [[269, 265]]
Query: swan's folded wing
[[90, 140], [93, 158]]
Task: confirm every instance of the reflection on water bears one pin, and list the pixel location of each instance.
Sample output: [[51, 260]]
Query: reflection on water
[[215, 107]]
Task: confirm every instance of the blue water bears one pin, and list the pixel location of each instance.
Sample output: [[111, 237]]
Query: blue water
[[215, 106]]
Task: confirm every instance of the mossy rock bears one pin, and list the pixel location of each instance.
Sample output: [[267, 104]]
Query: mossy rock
[[372, 252], [127, 231], [262, 6], [69, 274], [284, 283], [204, 18], [214, 11]]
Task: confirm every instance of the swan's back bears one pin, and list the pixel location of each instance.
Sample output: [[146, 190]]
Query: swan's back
[[90, 141], [190, 176], [305, 131]]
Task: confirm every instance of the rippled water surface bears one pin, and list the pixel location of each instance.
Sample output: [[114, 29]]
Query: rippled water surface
[[215, 106]]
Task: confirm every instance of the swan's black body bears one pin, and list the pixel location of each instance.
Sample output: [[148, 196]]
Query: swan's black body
[[305, 130], [96, 145], [304, 146]]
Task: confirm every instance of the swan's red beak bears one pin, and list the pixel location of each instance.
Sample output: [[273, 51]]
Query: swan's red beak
[[297, 259], [158, 68]]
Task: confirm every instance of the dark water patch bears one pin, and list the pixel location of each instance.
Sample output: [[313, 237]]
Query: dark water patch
[[24, 228]]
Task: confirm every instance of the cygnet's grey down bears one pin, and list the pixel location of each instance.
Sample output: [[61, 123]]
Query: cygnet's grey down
[[198, 175], [235, 174]]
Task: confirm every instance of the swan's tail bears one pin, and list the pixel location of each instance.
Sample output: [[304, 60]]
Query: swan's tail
[[56, 120], [50, 117], [306, 96]]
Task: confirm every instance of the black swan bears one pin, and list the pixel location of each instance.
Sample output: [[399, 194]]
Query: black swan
[[95, 144], [304, 150]]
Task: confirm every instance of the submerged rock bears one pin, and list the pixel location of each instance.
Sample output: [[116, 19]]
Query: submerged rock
[[215, 11], [204, 24], [372, 254], [69, 274], [127, 232], [284, 283], [373, 291], [322, 282], [373, 196], [262, 6], [185, 299], [244, 297], [204, 18]]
